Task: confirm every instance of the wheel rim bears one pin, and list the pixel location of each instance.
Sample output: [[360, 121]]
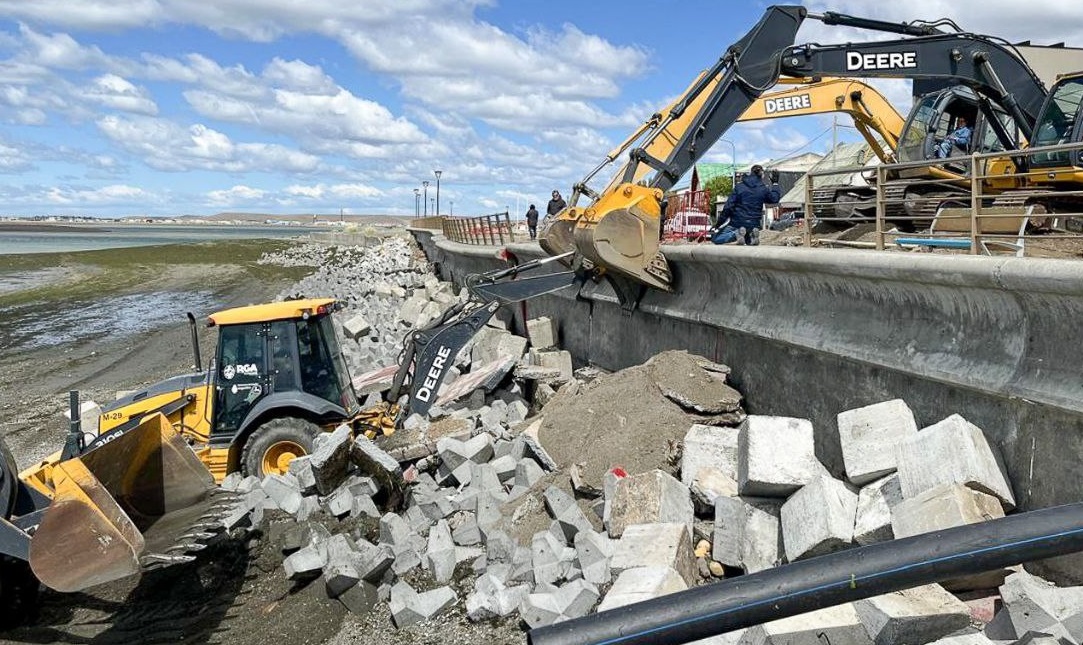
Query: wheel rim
[[277, 457]]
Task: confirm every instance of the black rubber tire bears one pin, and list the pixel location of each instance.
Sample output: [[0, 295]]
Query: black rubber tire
[[299, 431], [18, 593]]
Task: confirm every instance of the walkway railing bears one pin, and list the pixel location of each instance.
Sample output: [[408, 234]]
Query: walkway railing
[[963, 203], [493, 230]]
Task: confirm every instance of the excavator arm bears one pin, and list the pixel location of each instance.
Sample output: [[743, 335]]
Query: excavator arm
[[616, 235]]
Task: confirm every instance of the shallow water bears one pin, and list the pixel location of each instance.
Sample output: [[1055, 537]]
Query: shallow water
[[91, 237], [31, 326]]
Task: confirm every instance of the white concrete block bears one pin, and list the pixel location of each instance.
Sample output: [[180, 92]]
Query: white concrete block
[[818, 519], [656, 545], [918, 615], [747, 533], [874, 504], [953, 451], [838, 625], [775, 456], [943, 507], [649, 498], [709, 447], [542, 332], [642, 583], [869, 437], [1037, 605]]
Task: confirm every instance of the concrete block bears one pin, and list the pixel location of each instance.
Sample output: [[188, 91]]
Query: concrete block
[[566, 512], [409, 607], [441, 555], [551, 559], [577, 598], [919, 615], [1035, 605], [371, 561], [359, 599], [382, 467], [966, 639], [309, 505], [457, 457], [305, 563], [838, 625], [500, 547], [338, 503], [364, 506], [491, 598], [527, 472], [874, 504], [943, 507], [284, 491], [518, 411], [394, 530], [649, 498], [340, 572], [775, 456], [572, 600], [301, 468], [592, 554], [713, 447], [656, 545], [540, 609], [330, 459], [642, 583], [963, 456], [492, 344], [504, 467], [747, 533], [709, 485], [561, 360], [356, 327], [609, 493], [818, 519], [467, 533], [869, 437], [542, 332]]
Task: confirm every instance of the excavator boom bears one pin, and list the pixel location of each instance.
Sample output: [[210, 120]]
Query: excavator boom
[[616, 235]]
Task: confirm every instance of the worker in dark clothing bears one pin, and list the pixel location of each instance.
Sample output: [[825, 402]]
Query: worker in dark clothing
[[959, 138], [742, 215], [556, 204], [532, 221]]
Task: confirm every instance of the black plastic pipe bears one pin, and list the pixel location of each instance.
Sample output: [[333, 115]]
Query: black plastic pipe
[[827, 580]]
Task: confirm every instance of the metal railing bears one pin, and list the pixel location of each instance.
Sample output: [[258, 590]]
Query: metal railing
[[492, 230], [980, 199]]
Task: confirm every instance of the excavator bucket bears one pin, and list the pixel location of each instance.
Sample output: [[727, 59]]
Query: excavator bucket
[[624, 242], [141, 500]]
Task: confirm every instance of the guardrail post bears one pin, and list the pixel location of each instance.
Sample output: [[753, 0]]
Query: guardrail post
[[975, 203]]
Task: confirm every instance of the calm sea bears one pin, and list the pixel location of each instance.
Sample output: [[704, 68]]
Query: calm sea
[[91, 237]]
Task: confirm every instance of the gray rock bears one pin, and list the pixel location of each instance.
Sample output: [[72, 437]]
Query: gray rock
[[747, 533]]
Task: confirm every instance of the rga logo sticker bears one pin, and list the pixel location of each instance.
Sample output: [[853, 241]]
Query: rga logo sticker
[[886, 60], [788, 104], [246, 369]]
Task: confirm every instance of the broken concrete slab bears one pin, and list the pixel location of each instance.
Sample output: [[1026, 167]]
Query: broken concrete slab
[[918, 615], [441, 555], [964, 456], [869, 437], [330, 459], [709, 447], [874, 504], [818, 519], [356, 327], [550, 558], [493, 344], [409, 607], [1035, 605], [555, 359], [656, 545], [642, 583], [649, 498], [838, 625], [360, 598], [775, 456], [284, 490]]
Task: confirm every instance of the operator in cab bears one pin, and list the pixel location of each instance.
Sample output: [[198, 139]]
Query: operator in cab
[[742, 215]]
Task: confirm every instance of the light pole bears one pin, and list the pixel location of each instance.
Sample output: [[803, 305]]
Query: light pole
[[425, 185], [437, 173], [433, 200], [452, 213], [417, 202]]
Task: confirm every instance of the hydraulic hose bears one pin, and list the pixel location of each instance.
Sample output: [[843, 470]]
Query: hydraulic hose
[[828, 580]]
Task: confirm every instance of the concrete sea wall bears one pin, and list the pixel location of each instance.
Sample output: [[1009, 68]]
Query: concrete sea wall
[[811, 332]]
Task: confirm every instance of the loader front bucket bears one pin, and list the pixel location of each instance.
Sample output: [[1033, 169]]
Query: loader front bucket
[[141, 499]]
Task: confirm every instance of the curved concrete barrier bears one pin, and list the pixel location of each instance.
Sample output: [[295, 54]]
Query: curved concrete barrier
[[812, 332]]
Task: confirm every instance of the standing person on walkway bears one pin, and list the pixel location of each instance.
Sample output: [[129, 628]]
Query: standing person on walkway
[[743, 211], [532, 221], [556, 204]]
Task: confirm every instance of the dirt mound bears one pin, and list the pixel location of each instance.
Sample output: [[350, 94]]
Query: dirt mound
[[632, 418]]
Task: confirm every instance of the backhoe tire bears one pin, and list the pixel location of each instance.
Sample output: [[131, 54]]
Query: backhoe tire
[[275, 443], [18, 593]]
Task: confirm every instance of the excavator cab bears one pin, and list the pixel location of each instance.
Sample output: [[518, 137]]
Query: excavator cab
[[1061, 122], [937, 115]]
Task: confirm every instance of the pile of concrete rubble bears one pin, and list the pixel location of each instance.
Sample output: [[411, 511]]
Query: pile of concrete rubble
[[484, 504]]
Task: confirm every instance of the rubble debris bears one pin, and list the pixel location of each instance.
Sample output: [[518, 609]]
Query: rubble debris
[[1034, 605], [919, 615], [838, 624], [869, 437], [775, 456], [874, 504], [642, 583], [542, 333], [409, 607], [656, 545], [818, 519], [747, 533], [649, 498]]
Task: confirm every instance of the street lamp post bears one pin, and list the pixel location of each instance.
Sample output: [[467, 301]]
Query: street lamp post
[[425, 185], [437, 173], [452, 213], [417, 202]]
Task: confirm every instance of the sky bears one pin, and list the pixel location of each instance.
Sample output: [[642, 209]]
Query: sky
[[188, 107]]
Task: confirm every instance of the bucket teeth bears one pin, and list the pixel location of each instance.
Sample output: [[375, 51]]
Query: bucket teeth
[[150, 561]]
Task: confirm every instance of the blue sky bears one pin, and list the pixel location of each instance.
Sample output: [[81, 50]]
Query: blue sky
[[172, 107]]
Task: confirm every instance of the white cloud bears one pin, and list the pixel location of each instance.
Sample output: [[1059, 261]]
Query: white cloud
[[234, 195], [114, 92], [321, 191], [116, 194]]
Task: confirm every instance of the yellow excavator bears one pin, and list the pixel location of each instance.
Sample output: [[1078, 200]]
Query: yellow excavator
[[141, 491], [615, 235]]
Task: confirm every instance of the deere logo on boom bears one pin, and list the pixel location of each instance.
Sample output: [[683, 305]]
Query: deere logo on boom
[[432, 379], [886, 60], [788, 104]]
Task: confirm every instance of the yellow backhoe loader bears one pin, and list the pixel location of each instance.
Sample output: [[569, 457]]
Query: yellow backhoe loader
[[141, 492]]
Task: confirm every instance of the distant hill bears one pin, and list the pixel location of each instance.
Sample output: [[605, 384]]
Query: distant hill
[[304, 218]]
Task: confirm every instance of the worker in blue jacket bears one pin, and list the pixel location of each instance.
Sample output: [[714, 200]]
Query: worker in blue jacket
[[742, 215]]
